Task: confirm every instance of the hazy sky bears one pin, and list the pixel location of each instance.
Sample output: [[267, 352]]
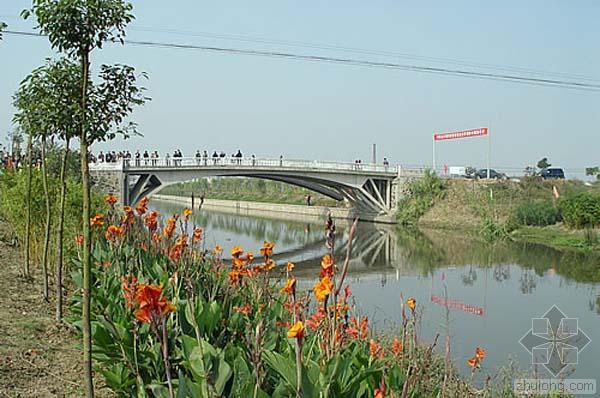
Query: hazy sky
[[318, 110]]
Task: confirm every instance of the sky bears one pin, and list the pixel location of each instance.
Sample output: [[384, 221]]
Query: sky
[[316, 110]]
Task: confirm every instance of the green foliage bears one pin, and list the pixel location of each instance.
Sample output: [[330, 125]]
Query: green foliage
[[492, 230], [593, 171], [78, 26], [580, 210], [543, 163], [13, 191], [2, 27], [420, 196], [536, 213]]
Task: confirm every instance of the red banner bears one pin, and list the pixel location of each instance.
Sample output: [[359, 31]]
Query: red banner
[[461, 134]]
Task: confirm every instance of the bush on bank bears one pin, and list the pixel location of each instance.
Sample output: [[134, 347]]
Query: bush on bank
[[581, 210], [419, 196], [536, 213], [173, 320]]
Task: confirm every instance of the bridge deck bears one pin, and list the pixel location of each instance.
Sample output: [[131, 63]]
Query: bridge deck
[[255, 164]]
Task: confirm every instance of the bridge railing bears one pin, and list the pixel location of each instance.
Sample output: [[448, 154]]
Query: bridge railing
[[232, 162]]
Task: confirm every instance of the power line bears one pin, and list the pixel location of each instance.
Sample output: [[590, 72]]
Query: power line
[[454, 61], [569, 84]]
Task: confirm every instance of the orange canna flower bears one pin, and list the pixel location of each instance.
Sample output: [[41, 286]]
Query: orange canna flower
[[249, 257], [290, 286], [364, 327], [296, 331], [151, 221], [412, 303], [234, 276], [197, 236], [170, 227], [323, 288], [113, 232], [110, 199], [187, 212], [290, 267], [480, 353], [269, 265], [473, 362], [245, 309], [79, 240], [97, 220], [378, 393], [129, 284], [267, 249], [236, 251], [218, 249], [151, 307], [374, 348], [327, 266], [397, 346]]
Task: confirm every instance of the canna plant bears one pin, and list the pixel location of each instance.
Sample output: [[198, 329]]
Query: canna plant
[[173, 319]]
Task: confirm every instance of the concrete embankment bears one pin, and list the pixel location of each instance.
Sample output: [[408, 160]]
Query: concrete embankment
[[260, 209]]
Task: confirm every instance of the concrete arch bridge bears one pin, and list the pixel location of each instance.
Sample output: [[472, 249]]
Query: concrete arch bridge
[[372, 190]]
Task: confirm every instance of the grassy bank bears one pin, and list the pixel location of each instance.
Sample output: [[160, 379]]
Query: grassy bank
[[523, 210], [249, 189]]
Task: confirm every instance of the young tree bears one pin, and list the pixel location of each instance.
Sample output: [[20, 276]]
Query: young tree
[[2, 27], [543, 164], [48, 101], [76, 28], [593, 171]]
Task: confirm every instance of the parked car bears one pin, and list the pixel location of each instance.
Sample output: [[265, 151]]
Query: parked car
[[482, 173], [552, 173]]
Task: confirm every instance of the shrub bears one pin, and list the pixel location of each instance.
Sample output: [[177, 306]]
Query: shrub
[[580, 210], [420, 196], [537, 213]]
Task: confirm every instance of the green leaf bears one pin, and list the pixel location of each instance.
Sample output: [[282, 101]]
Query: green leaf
[[223, 375], [285, 367]]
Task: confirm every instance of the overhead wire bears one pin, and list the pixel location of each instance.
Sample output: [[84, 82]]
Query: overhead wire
[[568, 84]]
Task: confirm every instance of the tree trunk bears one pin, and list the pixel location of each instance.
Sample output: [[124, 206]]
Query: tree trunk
[[60, 233], [48, 220], [28, 200], [87, 243]]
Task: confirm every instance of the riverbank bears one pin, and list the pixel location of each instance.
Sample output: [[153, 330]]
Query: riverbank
[[467, 205], [38, 358], [260, 209]]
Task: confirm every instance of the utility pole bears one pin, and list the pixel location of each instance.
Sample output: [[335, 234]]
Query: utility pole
[[374, 153]]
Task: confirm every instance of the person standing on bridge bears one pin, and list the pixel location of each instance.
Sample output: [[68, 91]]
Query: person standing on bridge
[[137, 157], [280, 160], [386, 164], [167, 159], [215, 157], [253, 160], [205, 157], [145, 156], [198, 157], [238, 157]]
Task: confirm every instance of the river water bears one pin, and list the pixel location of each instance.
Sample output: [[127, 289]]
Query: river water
[[478, 294]]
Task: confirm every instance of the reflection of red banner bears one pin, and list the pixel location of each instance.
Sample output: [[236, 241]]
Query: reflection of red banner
[[457, 305], [461, 134]]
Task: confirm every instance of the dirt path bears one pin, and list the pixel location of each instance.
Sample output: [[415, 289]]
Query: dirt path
[[38, 358]]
